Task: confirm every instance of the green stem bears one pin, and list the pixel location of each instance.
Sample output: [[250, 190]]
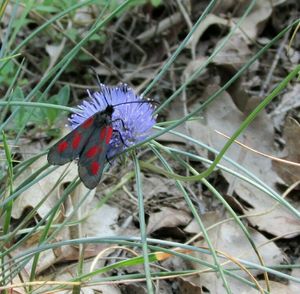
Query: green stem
[[143, 225], [37, 104]]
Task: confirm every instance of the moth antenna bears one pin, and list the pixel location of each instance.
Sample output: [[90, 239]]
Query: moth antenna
[[97, 77], [99, 83], [131, 102]]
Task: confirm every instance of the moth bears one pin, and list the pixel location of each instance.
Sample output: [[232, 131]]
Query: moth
[[89, 142]]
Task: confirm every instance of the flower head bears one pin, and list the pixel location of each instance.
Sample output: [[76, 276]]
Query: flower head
[[132, 121]]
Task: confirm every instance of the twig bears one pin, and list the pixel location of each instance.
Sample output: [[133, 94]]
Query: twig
[[261, 153], [163, 25], [188, 22], [273, 66]]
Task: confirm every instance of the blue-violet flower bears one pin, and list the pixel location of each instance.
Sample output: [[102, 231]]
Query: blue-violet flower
[[133, 121]]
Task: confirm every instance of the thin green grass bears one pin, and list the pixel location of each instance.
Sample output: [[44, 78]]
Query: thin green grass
[[197, 218], [142, 223], [13, 264]]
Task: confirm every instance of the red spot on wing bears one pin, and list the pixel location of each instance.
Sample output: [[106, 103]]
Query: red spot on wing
[[102, 133], [76, 140], [92, 151], [88, 123], [62, 146], [108, 134], [95, 167]]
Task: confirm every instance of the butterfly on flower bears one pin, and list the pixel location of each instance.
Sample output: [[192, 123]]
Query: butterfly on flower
[[111, 120]]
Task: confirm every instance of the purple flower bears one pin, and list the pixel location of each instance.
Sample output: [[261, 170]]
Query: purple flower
[[133, 121]]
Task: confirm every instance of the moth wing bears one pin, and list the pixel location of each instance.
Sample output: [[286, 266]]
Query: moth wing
[[92, 159], [70, 146]]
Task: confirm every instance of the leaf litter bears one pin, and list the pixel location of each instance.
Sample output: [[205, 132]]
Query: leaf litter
[[168, 217]]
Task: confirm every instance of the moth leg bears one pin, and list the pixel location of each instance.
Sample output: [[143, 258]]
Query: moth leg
[[108, 160], [121, 138], [123, 125]]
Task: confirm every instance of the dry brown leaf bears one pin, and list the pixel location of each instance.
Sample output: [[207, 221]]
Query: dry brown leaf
[[54, 52], [233, 56], [155, 185], [161, 286], [68, 272], [289, 100], [168, 22], [256, 20], [176, 111], [50, 257], [225, 6], [276, 288], [10, 11], [193, 66], [289, 173], [101, 222], [186, 286], [222, 115], [136, 288], [294, 287], [210, 19], [230, 239], [167, 218], [96, 222], [33, 195], [235, 53], [83, 15], [18, 279]]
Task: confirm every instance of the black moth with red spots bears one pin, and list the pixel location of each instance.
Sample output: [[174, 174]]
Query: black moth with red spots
[[89, 142]]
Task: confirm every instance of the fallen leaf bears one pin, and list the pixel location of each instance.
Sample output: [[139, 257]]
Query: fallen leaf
[[294, 287], [291, 133], [233, 56], [224, 7], [255, 21], [83, 15], [54, 52], [162, 287], [167, 218], [210, 20], [290, 100], [276, 287], [155, 186], [165, 24], [223, 115], [34, 194], [94, 222], [69, 272], [235, 53], [186, 286], [176, 111], [100, 222], [228, 237]]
